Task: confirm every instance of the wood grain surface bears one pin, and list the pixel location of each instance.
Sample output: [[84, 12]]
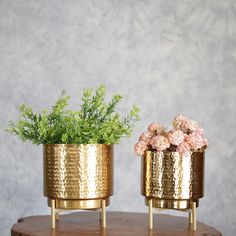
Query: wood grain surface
[[118, 223]]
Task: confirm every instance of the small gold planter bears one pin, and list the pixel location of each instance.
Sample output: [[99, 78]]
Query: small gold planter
[[173, 181], [78, 177]]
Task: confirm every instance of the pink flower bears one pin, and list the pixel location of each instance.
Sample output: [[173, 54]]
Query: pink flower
[[176, 137], [155, 128], [146, 136], [160, 143], [200, 130], [183, 148], [178, 121], [140, 147], [186, 125], [195, 140], [185, 137], [191, 125]]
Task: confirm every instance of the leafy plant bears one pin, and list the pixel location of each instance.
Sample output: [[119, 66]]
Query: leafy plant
[[96, 121]]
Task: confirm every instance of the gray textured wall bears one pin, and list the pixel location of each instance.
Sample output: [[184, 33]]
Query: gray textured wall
[[168, 56]]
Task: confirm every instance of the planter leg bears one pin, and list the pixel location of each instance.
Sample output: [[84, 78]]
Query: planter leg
[[100, 215], [53, 214], [150, 214], [190, 217], [104, 213], [194, 217], [57, 215]]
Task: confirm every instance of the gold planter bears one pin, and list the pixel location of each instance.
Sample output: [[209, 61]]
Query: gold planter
[[78, 176], [172, 181]]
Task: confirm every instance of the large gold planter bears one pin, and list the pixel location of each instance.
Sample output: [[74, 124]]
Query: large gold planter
[[172, 181], [78, 176]]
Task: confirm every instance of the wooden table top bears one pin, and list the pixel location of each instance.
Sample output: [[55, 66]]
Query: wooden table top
[[118, 224]]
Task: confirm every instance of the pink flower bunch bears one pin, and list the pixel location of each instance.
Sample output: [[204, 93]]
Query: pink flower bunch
[[186, 125], [187, 135], [160, 143]]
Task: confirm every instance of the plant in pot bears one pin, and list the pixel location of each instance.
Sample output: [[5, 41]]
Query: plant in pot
[[77, 148], [173, 166]]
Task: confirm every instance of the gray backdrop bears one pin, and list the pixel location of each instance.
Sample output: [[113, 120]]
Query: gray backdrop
[[168, 56]]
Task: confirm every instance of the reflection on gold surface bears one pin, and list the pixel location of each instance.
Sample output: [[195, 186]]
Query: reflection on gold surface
[[103, 232], [78, 177], [79, 204], [171, 176], [173, 181], [150, 232], [78, 171], [171, 204], [53, 232]]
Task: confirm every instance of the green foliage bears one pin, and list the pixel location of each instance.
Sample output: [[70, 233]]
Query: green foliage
[[95, 122]]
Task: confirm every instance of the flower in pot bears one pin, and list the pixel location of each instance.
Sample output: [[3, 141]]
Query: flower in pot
[[173, 166], [77, 148]]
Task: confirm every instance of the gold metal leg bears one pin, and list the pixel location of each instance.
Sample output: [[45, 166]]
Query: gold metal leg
[[53, 215], [57, 215], [194, 217], [190, 217], [100, 215], [104, 213], [150, 214]]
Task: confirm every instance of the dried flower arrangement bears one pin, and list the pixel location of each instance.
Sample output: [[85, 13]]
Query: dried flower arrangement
[[186, 135]]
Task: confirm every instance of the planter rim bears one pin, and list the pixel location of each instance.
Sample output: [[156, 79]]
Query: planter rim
[[75, 144]]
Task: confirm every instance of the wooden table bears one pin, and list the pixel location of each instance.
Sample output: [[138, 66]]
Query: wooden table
[[118, 224]]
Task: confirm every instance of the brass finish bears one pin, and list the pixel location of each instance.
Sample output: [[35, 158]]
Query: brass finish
[[190, 217], [78, 177], [103, 214], [88, 204], [194, 217], [171, 204], [192, 210], [53, 216], [150, 214], [173, 181], [82, 171], [57, 215], [171, 176]]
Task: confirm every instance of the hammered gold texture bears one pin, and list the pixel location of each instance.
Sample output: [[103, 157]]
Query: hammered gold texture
[[82, 171], [169, 175]]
